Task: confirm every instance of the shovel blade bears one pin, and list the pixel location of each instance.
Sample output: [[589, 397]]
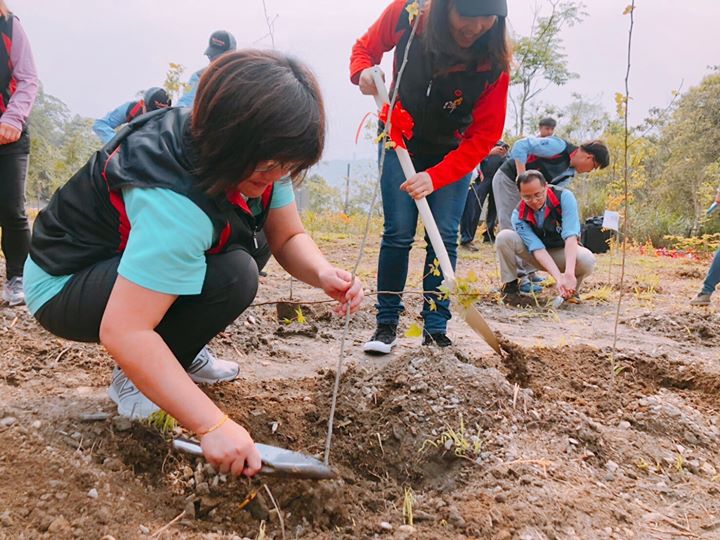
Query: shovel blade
[[477, 322], [275, 461]]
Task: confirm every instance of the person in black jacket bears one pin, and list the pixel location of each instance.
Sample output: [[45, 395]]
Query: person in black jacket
[[150, 248], [481, 189]]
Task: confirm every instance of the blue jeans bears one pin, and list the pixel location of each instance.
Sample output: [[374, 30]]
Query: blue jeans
[[713, 276], [401, 216]]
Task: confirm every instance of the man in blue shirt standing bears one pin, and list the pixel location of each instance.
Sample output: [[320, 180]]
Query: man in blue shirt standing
[[220, 42], [546, 228]]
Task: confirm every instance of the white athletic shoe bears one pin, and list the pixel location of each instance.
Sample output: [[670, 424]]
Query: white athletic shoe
[[130, 401], [13, 292], [209, 370]]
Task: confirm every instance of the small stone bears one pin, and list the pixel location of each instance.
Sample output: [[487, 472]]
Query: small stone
[[190, 509], [108, 537], [5, 519], [455, 519], [405, 530], [76, 436], [612, 467], [113, 463], [8, 421], [203, 488], [121, 423], [59, 526], [144, 529], [36, 424], [93, 493], [624, 425], [385, 526]]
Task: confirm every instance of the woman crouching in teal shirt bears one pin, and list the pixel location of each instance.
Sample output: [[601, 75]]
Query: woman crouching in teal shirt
[[155, 245]]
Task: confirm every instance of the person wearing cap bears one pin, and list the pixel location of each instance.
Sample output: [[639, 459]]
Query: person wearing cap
[[546, 126], [480, 189], [220, 42], [544, 234], [152, 99], [18, 89], [454, 87]]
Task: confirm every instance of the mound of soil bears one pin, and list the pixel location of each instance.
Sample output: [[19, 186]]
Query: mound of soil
[[698, 326]]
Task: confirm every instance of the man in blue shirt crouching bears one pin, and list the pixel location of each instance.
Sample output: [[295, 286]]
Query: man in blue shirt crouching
[[546, 228]]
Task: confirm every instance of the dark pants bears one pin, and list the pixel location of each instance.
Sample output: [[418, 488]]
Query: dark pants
[[13, 220], [473, 208], [231, 282]]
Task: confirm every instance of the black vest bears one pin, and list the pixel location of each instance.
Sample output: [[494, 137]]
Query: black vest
[[85, 221], [551, 231], [440, 101], [134, 110], [552, 168], [8, 85]]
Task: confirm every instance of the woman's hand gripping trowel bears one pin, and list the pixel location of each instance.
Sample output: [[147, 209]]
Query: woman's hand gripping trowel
[[275, 461], [470, 313]]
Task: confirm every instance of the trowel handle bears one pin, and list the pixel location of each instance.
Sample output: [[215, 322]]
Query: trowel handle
[[409, 170]]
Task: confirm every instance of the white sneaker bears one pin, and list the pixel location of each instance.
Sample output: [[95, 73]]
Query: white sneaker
[[130, 401], [209, 370], [13, 292]]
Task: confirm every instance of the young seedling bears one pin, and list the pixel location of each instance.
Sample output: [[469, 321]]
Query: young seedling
[[162, 421], [408, 502]]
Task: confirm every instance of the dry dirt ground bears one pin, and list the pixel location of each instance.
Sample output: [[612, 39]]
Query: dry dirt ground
[[557, 441]]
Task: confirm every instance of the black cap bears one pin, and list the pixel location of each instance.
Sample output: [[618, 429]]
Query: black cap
[[220, 42], [156, 98], [502, 143], [481, 8]]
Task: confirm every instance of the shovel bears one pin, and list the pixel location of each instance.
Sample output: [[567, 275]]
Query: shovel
[[470, 314], [275, 461]]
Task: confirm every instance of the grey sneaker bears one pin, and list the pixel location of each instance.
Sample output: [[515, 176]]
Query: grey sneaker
[[209, 370], [13, 292], [130, 401], [702, 299]]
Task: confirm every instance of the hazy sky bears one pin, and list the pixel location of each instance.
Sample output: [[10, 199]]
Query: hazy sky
[[96, 54]]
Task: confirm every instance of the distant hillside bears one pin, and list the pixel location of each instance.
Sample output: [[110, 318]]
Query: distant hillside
[[334, 171]]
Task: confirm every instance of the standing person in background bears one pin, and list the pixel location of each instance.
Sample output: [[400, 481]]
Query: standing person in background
[[18, 88], [480, 190], [153, 99], [454, 86], [220, 42], [713, 276], [546, 127]]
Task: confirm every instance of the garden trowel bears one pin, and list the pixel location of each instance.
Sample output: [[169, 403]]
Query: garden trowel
[[470, 313], [275, 461]]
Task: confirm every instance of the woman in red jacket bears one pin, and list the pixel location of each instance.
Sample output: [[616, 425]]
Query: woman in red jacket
[[454, 86]]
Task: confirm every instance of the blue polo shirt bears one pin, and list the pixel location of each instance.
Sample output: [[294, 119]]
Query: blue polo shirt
[[570, 222]]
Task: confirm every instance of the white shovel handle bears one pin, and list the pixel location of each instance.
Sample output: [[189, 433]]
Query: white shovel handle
[[423, 208]]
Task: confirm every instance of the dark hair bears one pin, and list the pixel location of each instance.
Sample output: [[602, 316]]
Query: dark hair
[[599, 150], [494, 45], [548, 122], [255, 106], [529, 176]]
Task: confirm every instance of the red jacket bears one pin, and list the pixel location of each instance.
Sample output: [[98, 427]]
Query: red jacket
[[486, 115]]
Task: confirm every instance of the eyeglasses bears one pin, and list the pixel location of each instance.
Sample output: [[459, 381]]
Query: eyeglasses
[[536, 197]]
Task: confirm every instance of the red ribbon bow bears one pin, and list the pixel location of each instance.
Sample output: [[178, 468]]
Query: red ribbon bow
[[401, 123]]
